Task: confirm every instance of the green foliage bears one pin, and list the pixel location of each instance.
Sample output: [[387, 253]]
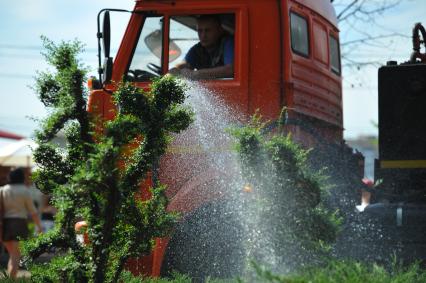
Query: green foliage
[[62, 268], [348, 272], [100, 181], [177, 278], [288, 200], [332, 272]]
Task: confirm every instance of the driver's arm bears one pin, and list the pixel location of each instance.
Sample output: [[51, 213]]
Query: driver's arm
[[177, 70], [183, 65], [226, 71], [186, 66]]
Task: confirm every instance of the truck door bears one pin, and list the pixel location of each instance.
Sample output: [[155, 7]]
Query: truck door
[[166, 37]]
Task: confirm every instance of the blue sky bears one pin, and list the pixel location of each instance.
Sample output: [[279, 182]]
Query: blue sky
[[23, 21], [360, 86]]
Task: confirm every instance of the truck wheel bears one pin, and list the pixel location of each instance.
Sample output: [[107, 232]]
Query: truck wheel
[[207, 243]]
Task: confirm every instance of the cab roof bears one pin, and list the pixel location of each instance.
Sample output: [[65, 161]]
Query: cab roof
[[322, 7]]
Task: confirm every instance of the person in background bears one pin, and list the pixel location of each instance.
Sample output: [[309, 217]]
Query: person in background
[[365, 195], [17, 205], [213, 56]]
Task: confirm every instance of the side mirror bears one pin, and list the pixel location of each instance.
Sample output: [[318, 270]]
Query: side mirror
[[106, 34], [107, 70], [106, 45]]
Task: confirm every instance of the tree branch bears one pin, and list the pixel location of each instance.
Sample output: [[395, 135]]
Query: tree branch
[[359, 9], [340, 15], [369, 38]]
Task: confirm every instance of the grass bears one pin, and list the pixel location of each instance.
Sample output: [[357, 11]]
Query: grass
[[333, 272], [350, 272]]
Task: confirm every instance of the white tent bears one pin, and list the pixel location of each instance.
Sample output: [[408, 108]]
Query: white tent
[[18, 153]]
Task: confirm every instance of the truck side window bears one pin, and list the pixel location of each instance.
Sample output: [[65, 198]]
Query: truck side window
[[146, 61], [320, 45], [202, 46], [334, 55], [299, 34]]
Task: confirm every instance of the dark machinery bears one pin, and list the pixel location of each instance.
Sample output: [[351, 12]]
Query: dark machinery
[[399, 203]]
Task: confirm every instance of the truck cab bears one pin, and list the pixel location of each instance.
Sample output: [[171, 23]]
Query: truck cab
[[286, 54]]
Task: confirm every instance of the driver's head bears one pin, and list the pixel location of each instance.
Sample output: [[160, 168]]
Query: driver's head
[[209, 30]]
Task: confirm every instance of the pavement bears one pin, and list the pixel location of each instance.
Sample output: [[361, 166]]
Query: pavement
[[4, 257], [22, 273]]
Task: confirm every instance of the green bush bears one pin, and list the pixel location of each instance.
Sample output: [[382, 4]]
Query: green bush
[[332, 272], [288, 196], [85, 179], [349, 272]]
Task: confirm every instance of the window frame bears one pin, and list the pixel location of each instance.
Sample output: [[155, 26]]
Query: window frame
[[206, 12], [135, 45], [339, 60], [240, 14], [308, 34]]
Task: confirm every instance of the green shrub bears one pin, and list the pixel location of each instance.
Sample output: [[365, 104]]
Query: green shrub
[[349, 272], [288, 196], [85, 180]]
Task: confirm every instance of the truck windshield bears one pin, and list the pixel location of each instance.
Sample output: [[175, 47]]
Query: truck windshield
[[147, 58]]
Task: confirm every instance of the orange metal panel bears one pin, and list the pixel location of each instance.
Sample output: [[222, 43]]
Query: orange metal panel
[[264, 60]]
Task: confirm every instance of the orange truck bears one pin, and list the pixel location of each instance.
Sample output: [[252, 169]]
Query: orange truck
[[286, 54]]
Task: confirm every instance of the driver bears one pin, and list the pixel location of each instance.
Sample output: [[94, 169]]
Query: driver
[[213, 56]]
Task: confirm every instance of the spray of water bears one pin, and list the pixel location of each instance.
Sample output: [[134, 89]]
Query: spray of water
[[212, 119], [234, 228], [254, 239], [241, 205]]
